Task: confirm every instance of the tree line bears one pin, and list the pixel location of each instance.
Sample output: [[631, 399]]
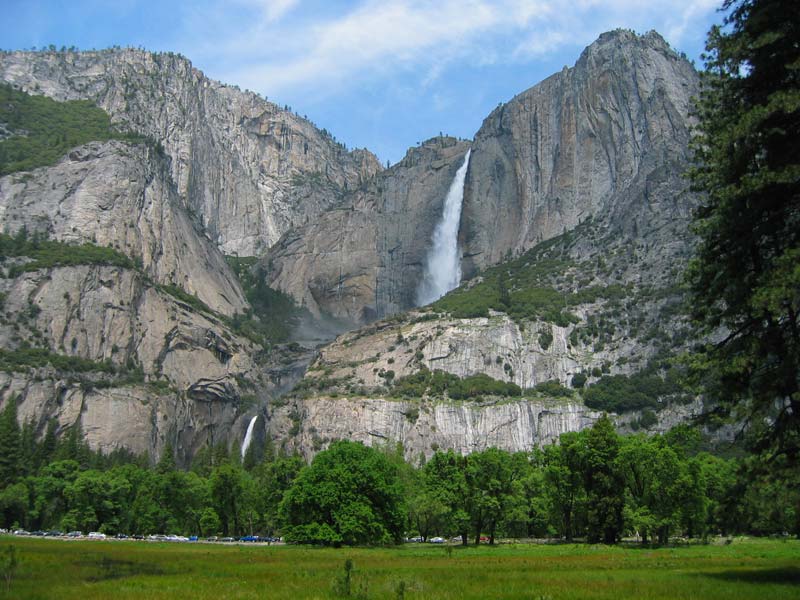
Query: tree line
[[594, 485]]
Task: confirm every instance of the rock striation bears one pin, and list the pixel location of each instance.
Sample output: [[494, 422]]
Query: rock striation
[[606, 138], [190, 371], [363, 259], [121, 195], [425, 427], [248, 169], [585, 167]]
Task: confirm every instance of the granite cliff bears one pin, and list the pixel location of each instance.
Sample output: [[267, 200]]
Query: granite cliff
[[605, 140], [574, 232], [248, 169]]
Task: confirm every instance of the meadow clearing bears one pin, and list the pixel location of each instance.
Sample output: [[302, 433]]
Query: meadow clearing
[[86, 570]]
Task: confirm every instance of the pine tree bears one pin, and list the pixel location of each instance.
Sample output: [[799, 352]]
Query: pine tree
[[45, 452], [10, 449], [745, 278]]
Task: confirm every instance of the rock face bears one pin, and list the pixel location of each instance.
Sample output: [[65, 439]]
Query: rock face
[[590, 160], [112, 314], [192, 370], [424, 427], [363, 259], [248, 169], [496, 346], [606, 138], [121, 195]]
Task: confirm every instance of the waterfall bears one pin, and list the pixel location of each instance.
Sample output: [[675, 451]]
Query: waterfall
[[248, 437], [443, 265]]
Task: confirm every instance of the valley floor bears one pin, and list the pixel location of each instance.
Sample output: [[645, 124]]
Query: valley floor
[[747, 568]]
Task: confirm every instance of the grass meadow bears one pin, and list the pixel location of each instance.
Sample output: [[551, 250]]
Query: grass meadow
[[87, 570]]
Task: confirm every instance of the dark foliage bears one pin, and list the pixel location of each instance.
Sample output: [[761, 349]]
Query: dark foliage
[[43, 130], [745, 279]]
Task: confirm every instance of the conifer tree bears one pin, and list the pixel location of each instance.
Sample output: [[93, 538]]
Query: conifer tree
[[745, 278], [10, 446]]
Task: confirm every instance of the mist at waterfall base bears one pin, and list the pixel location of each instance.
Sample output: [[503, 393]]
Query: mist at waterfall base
[[443, 264], [248, 437]]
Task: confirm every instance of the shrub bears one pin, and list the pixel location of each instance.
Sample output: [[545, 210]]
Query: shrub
[[578, 380], [45, 254], [620, 393], [552, 388], [440, 383]]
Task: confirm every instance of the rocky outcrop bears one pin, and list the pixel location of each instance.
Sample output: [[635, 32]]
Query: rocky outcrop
[[248, 169], [114, 315], [164, 350], [120, 195], [363, 259], [607, 138]]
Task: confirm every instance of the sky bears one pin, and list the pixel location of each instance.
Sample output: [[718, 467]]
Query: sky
[[380, 74]]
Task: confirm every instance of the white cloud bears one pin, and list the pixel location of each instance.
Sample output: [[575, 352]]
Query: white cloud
[[375, 37], [270, 10], [690, 14]]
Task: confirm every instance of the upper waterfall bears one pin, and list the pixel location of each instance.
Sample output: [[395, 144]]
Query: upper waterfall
[[443, 264]]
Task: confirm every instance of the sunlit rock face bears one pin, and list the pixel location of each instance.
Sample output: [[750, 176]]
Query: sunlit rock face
[[248, 169], [364, 259], [606, 138], [604, 143]]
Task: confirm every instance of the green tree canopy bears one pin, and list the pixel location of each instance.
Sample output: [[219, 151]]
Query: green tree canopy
[[350, 494]]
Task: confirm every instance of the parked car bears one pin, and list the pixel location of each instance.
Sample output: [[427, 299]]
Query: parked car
[[436, 540], [75, 534], [212, 538], [227, 539], [38, 533], [416, 540], [137, 536], [157, 537], [121, 536], [54, 533], [192, 538], [96, 535], [21, 532], [248, 538]]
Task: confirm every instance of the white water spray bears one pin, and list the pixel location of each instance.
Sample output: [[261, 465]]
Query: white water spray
[[443, 265], [248, 436]]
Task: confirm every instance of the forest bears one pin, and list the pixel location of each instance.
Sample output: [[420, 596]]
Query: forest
[[594, 485]]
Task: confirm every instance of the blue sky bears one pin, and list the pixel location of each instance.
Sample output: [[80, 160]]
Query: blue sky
[[378, 74]]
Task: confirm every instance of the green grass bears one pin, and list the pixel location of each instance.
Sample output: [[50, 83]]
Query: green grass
[[88, 570], [44, 130]]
